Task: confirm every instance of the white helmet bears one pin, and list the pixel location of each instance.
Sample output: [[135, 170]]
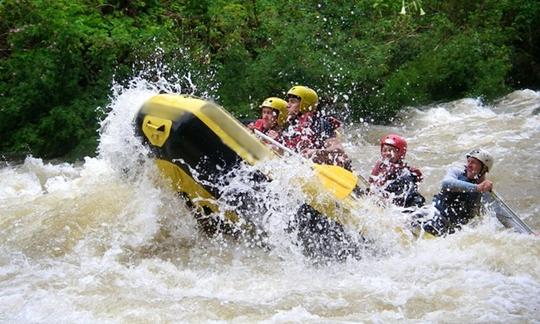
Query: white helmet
[[483, 156]]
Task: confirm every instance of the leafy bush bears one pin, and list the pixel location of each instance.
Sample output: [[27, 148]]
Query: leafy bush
[[58, 59]]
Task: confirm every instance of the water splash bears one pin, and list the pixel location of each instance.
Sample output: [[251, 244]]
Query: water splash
[[105, 240]]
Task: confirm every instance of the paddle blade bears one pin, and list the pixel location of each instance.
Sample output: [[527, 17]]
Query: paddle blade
[[339, 181], [506, 215]]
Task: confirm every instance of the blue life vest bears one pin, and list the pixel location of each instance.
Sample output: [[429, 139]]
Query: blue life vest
[[458, 207]]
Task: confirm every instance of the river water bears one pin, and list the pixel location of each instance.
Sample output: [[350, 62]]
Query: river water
[[105, 241]]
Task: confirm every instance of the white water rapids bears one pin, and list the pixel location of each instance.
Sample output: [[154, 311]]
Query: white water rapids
[[104, 241]]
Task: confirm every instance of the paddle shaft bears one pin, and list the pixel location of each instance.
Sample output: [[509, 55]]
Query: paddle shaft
[[345, 179], [524, 227], [276, 143], [291, 152]]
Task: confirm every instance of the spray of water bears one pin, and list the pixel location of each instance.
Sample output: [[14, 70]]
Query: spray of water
[[107, 240]]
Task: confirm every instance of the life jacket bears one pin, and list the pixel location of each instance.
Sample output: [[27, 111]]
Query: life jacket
[[458, 208], [259, 125], [400, 180], [310, 130]]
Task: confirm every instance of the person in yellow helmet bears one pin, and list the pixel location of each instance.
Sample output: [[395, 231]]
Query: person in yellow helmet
[[273, 116], [310, 133]]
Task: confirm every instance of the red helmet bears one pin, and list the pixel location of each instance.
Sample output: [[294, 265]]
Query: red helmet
[[396, 141]]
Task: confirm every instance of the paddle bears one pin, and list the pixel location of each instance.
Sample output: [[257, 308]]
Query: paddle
[[510, 215], [341, 182]]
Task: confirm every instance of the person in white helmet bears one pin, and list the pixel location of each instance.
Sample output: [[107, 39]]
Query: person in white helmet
[[459, 199]]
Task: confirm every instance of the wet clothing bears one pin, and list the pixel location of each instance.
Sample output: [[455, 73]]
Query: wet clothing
[[459, 200], [259, 125], [456, 204], [399, 181], [312, 131], [305, 131]]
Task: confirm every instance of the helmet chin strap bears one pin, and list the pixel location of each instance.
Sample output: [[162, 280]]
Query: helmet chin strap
[[476, 176], [481, 174], [483, 171]]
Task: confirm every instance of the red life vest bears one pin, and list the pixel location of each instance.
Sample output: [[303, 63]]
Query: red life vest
[[259, 125], [307, 131], [384, 172], [399, 181]]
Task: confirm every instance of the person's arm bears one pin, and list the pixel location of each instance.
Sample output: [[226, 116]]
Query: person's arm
[[332, 153], [484, 186], [451, 182], [374, 177], [259, 125]]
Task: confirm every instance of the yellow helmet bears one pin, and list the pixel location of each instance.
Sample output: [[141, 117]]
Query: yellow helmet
[[308, 98], [277, 104]]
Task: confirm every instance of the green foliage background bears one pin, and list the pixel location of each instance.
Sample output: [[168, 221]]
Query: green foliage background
[[58, 58]]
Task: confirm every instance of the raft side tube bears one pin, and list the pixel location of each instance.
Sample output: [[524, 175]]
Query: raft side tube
[[195, 150], [230, 131], [197, 144]]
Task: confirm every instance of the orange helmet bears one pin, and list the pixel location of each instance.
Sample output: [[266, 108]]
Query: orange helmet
[[396, 141]]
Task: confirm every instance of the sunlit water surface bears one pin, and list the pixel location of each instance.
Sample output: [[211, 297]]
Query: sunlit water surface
[[105, 241]]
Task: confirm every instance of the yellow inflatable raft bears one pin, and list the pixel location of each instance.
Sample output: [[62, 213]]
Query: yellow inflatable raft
[[196, 143]]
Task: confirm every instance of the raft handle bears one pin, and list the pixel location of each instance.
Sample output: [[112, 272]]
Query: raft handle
[[160, 128]]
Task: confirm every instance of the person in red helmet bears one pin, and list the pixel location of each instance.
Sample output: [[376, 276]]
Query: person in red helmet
[[392, 178]]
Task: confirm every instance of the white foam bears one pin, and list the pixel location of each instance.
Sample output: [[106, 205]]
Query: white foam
[[105, 240]]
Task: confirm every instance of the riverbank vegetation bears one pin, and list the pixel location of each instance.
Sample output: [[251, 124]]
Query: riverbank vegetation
[[368, 58]]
